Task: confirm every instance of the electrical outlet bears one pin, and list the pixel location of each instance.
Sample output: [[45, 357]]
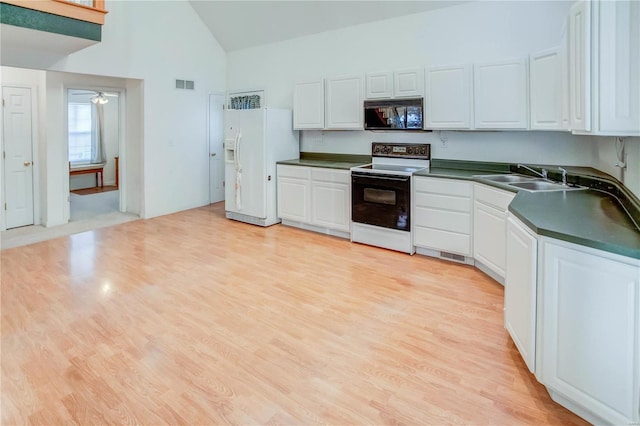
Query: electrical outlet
[[443, 139]]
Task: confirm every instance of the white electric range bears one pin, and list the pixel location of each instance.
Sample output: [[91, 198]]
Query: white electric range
[[381, 195]]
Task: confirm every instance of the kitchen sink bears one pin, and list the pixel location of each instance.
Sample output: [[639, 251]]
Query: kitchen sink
[[506, 178], [541, 185], [527, 183]]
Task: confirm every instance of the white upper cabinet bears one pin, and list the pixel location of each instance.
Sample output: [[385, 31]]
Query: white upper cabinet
[[546, 86], [344, 103], [619, 67], [580, 65], [604, 67], [379, 85], [308, 105], [448, 97], [500, 95], [408, 83]]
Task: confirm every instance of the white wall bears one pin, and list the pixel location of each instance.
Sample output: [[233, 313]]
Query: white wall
[[605, 159], [471, 32], [154, 41], [530, 147]]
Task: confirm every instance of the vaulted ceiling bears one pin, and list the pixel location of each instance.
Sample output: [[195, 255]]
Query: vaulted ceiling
[[243, 24]]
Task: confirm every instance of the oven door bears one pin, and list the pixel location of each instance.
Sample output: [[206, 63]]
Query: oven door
[[381, 200]]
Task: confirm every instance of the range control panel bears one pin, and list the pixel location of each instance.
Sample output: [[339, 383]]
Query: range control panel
[[420, 151]]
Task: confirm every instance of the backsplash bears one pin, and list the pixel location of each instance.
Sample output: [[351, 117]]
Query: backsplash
[[524, 147]]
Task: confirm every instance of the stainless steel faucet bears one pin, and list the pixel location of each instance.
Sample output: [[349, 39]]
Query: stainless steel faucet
[[542, 173], [564, 176]]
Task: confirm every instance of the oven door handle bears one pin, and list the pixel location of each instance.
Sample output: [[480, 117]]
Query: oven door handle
[[367, 176]]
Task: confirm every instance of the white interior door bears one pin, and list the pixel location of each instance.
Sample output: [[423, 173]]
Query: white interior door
[[216, 139], [18, 156]]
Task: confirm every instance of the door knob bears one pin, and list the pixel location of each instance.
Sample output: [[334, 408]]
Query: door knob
[[213, 154], [27, 163]]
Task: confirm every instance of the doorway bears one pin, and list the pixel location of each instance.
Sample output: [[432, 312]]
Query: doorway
[[93, 142], [18, 156], [216, 140]]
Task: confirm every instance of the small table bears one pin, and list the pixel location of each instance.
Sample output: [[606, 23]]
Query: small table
[[89, 169]]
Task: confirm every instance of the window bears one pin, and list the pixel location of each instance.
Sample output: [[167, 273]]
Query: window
[[80, 132]]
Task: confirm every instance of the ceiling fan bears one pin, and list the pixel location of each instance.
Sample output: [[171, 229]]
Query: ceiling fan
[[99, 97]]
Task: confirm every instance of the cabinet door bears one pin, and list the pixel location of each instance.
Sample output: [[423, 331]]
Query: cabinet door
[[294, 188], [520, 290], [500, 95], [448, 101], [489, 237], [344, 103], [308, 105], [546, 87], [580, 65], [564, 77], [408, 83], [331, 205], [293, 199], [619, 78], [590, 330], [379, 85]]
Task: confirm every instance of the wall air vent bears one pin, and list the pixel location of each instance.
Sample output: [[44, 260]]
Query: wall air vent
[[185, 84]]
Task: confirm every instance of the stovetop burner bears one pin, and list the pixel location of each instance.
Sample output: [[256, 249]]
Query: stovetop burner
[[397, 159]]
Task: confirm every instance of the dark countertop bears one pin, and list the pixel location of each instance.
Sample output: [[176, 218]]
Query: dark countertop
[[591, 217], [329, 161]]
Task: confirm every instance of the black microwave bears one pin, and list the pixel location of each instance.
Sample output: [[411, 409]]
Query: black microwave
[[393, 114]]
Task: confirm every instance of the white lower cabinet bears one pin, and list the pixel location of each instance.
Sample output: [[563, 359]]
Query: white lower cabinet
[[489, 224], [331, 198], [315, 198], [589, 332], [294, 193], [520, 286], [442, 216]]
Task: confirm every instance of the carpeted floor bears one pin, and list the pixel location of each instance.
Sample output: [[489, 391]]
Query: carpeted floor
[[87, 212]]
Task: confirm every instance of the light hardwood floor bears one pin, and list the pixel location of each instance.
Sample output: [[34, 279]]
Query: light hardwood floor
[[194, 319]]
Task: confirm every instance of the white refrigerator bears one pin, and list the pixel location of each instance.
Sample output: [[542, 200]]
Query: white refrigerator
[[255, 139]]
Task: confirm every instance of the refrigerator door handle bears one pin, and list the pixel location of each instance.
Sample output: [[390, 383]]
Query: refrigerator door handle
[[237, 148]]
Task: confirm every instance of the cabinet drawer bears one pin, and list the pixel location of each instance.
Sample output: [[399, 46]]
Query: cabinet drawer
[[446, 202], [330, 175], [444, 186], [298, 172], [493, 197], [442, 240], [445, 220]]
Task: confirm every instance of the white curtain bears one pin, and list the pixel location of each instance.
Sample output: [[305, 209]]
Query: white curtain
[[98, 154]]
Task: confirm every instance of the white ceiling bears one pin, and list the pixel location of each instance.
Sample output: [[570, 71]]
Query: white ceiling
[[242, 24]]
